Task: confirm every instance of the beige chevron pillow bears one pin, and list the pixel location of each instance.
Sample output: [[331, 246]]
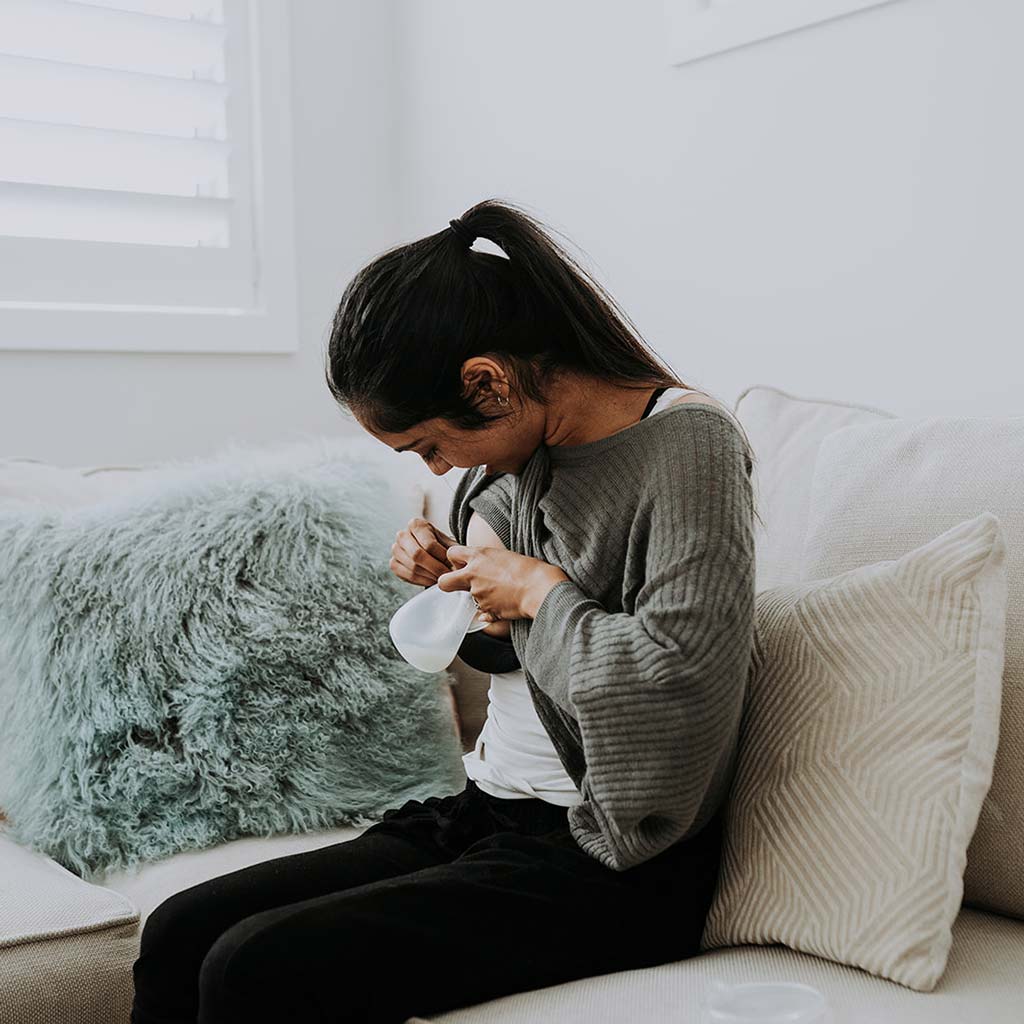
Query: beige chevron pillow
[[883, 488], [866, 748]]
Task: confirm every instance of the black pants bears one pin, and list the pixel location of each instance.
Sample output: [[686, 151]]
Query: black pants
[[443, 903]]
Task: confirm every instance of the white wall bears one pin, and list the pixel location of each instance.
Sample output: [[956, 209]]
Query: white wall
[[87, 408], [837, 212]]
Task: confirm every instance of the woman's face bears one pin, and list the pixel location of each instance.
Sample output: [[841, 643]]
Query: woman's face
[[503, 446], [500, 447]]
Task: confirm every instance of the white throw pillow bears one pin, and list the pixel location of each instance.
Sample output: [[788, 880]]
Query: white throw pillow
[[866, 748], [24, 479], [883, 488], [785, 431]]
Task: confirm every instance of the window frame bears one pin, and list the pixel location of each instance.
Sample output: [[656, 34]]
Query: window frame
[[259, 315]]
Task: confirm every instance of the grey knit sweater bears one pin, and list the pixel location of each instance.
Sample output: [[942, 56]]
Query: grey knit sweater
[[638, 663]]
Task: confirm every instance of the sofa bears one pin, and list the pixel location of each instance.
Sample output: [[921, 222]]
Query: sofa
[[67, 946]]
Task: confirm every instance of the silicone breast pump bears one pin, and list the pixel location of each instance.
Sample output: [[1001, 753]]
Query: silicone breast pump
[[430, 627]]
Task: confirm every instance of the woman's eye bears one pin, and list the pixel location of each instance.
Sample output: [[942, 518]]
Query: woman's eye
[[429, 456]]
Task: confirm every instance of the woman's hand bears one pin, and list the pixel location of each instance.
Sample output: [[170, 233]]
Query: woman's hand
[[505, 585], [419, 554], [500, 629]]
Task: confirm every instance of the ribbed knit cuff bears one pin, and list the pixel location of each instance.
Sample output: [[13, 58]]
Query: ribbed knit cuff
[[549, 645]]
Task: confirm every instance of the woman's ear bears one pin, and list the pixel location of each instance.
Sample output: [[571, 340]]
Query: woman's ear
[[483, 379]]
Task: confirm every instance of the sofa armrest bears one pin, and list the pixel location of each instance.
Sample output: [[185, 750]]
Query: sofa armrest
[[40, 899], [66, 946]]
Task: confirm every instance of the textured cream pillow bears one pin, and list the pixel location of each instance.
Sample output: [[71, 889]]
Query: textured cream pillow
[[866, 749], [881, 489], [786, 432]]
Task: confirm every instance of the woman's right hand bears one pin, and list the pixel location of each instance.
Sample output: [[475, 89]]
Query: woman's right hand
[[420, 553]]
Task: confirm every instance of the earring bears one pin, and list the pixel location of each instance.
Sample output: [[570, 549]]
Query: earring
[[502, 400]]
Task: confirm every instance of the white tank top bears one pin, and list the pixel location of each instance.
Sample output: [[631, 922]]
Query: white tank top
[[513, 756]]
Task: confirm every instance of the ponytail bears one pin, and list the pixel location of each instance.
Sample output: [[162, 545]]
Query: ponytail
[[411, 317]]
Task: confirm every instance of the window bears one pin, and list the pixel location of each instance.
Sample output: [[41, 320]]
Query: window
[[145, 176], [699, 28]]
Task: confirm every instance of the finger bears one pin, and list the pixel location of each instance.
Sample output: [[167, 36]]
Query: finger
[[457, 580], [411, 572], [446, 541], [458, 554], [407, 548], [429, 542]]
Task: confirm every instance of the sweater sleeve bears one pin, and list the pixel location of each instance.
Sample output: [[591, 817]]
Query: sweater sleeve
[[657, 691]]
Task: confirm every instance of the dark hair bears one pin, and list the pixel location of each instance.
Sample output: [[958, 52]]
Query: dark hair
[[411, 317]]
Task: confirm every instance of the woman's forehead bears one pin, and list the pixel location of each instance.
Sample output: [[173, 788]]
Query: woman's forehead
[[400, 440]]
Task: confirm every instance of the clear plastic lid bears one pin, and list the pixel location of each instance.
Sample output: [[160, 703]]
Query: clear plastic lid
[[766, 1002]]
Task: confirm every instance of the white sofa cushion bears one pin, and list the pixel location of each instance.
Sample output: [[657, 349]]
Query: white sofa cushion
[[982, 976], [785, 432], [148, 885], [882, 488], [982, 983]]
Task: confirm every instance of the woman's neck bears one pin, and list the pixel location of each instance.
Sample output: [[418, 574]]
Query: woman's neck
[[586, 409]]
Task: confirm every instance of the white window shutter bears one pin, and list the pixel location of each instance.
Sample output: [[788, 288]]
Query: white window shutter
[[137, 210]]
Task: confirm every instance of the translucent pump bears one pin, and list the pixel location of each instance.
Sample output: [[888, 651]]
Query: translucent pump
[[430, 627]]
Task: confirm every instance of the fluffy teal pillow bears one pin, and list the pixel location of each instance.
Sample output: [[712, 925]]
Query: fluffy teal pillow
[[207, 657]]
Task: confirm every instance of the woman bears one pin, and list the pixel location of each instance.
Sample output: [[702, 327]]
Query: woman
[[604, 528]]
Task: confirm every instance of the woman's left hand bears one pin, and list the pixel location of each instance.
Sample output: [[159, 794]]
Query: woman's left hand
[[505, 585]]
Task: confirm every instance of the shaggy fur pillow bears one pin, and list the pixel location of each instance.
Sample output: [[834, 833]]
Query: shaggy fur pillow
[[207, 657]]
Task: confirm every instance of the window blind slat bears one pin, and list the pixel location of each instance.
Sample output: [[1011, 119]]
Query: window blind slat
[[198, 10], [114, 133], [39, 211], [102, 37], [42, 90], [124, 268], [44, 154]]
